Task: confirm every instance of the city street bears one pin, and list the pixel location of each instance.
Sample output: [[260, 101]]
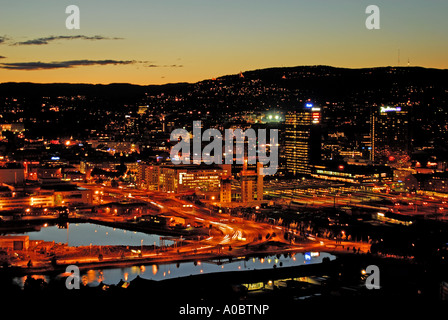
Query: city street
[[228, 236]]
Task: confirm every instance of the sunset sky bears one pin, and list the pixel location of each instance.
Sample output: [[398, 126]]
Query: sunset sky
[[164, 41]]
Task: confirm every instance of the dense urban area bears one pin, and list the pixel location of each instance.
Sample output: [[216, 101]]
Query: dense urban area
[[87, 180]]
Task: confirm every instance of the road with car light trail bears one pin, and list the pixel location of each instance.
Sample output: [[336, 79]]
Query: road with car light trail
[[228, 236]]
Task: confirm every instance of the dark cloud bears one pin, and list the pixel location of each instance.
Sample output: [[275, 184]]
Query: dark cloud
[[3, 39], [2, 57], [165, 66], [46, 40], [62, 64]]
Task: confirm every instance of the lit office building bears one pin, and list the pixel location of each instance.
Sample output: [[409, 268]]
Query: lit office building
[[389, 133], [183, 178], [251, 184], [43, 199], [302, 139], [225, 195], [148, 176]]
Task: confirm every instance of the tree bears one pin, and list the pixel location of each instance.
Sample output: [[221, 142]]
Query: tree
[[121, 168], [114, 183]]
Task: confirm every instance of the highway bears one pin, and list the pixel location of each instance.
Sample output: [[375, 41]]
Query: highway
[[226, 230], [228, 236]]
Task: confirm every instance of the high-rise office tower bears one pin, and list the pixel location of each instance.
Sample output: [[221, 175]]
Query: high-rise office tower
[[259, 181], [302, 139], [226, 183], [389, 134], [225, 194], [251, 183]]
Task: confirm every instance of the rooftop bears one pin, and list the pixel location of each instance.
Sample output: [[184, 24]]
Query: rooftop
[[62, 187]]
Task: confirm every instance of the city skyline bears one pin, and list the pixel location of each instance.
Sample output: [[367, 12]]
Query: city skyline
[[231, 157], [156, 43]]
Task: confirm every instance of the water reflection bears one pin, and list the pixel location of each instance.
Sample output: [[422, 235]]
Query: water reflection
[[154, 269], [93, 277], [174, 270], [36, 278], [86, 234]]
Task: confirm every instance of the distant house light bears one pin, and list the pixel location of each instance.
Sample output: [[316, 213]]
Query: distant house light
[[389, 109]]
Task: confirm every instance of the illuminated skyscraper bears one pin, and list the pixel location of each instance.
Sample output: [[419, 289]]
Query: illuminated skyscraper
[[389, 134], [226, 184], [302, 139], [251, 183]]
